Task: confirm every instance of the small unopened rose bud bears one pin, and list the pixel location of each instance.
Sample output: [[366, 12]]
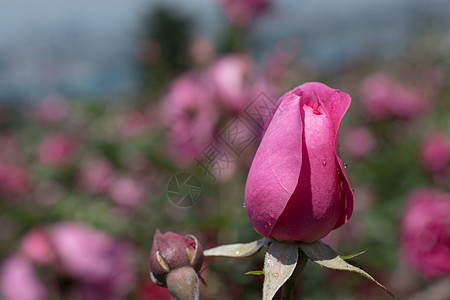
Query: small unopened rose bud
[[172, 251]]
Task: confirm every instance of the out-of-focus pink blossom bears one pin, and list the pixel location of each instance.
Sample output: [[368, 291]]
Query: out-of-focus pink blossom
[[56, 149], [190, 113], [18, 280], [14, 180], [359, 141], [52, 109], [133, 123], [425, 232], [435, 154], [202, 51], [242, 13], [126, 192], [36, 246], [230, 77], [383, 96], [96, 175], [9, 147], [92, 257], [278, 61]]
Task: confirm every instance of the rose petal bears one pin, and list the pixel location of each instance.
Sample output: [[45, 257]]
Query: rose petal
[[276, 167]]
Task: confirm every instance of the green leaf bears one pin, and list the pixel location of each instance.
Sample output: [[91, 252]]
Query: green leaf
[[323, 255], [279, 264], [345, 257], [255, 272], [237, 250]]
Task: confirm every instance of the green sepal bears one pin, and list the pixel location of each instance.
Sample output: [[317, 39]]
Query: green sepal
[[279, 264], [323, 255], [254, 272], [345, 257], [237, 250]]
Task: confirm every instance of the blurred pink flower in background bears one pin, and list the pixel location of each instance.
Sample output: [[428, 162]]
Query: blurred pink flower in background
[[126, 192], [92, 257], [36, 246], [278, 61], [202, 51], [10, 147], [98, 266], [230, 76], [242, 13], [51, 109], [425, 232], [56, 149], [190, 113], [383, 96], [14, 179], [132, 123], [95, 175], [435, 153], [359, 142], [18, 280]]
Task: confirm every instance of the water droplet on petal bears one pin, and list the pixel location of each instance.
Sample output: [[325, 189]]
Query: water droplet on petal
[[324, 162], [243, 205], [353, 190], [345, 166], [237, 252]]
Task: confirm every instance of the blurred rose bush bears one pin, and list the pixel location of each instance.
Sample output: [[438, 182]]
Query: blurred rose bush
[[97, 266]]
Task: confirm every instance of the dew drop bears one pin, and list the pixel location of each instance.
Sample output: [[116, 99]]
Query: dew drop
[[243, 205], [324, 162], [353, 190], [237, 252], [345, 166]]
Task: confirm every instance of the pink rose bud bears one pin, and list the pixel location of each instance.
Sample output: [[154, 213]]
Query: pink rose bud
[[172, 251], [425, 232], [297, 189]]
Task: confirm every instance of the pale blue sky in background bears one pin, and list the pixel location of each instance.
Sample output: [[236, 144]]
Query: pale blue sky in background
[[86, 47]]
